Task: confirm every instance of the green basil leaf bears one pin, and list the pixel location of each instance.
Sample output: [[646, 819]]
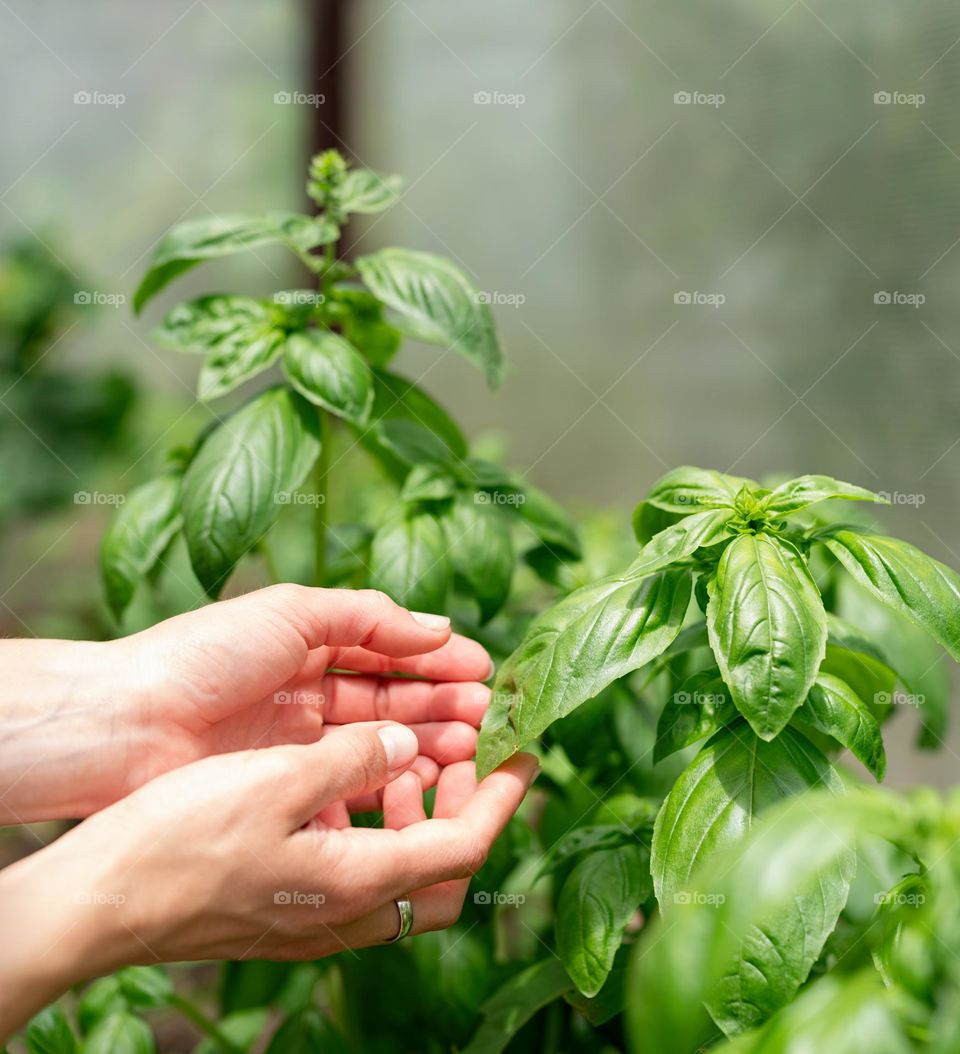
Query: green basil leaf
[[591, 638], [713, 804], [906, 579], [681, 540], [121, 1033], [428, 483], [808, 490], [145, 986], [100, 999], [512, 1006], [231, 491], [436, 303], [648, 520], [832, 707], [767, 628], [364, 191], [689, 489], [548, 521], [701, 707], [308, 1032], [241, 337], [328, 371], [409, 561], [208, 237], [598, 899], [49, 1032], [582, 840], [481, 552], [611, 1000], [363, 324], [241, 1028], [141, 529]]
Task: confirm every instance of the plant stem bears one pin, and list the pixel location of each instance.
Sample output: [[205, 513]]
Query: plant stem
[[320, 470], [206, 1026]]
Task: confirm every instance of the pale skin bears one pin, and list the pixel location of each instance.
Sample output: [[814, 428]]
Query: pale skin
[[216, 759]]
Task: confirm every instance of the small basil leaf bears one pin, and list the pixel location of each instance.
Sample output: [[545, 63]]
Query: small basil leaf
[[767, 629], [364, 191], [307, 1032], [120, 1033], [648, 520], [409, 561], [598, 899], [99, 999], [512, 1006], [428, 483], [688, 489], [145, 986], [49, 1032], [139, 533], [481, 551], [328, 371], [582, 840], [591, 638], [196, 240], [681, 540], [808, 490], [832, 707], [241, 1028], [362, 322], [435, 302], [231, 491]]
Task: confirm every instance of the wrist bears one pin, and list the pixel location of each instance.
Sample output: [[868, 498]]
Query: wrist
[[65, 729], [62, 923]]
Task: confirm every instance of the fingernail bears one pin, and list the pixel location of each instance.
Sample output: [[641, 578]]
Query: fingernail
[[490, 670], [430, 621], [400, 745]]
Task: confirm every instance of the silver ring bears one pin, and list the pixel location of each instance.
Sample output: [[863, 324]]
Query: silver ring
[[405, 911]]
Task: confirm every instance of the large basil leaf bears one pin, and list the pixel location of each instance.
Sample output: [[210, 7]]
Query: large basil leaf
[[196, 240], [900, 575], [512, 1006], [435, 302], [688, 489], [808, 490], [832, 707], [120, 1033], [328, 371], [767, 628], [365, 191], [598, 899], [141, 529], [409, 560], [681, 540], [481, 551], [233, 489], [241, 337], [49, 1032], [591, 638], [711, 807], [701, 707]]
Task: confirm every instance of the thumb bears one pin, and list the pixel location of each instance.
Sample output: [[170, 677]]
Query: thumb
[[354, 760]]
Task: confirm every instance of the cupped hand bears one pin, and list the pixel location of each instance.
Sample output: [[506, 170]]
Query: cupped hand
[[250, 854], [276, 666]]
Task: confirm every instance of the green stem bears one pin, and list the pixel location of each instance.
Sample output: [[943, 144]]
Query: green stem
[[320, 470], [206, 1026]]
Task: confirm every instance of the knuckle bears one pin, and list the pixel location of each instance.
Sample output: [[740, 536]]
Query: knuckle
[[474, 853]]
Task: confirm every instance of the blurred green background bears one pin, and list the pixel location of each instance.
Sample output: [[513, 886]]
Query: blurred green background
[[723, 234]]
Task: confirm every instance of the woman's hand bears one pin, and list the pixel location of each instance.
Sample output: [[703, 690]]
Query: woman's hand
[[250, 855], [85, 724]]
